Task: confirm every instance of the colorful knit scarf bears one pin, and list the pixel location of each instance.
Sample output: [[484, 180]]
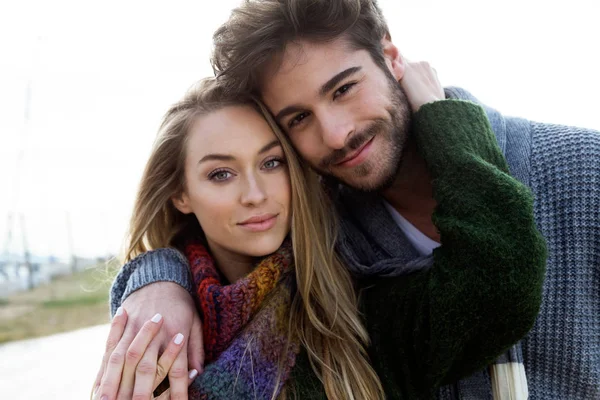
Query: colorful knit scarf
[[244, 326]]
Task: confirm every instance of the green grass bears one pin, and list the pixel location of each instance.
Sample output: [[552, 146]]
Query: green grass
[[70, 302], [76, 301]]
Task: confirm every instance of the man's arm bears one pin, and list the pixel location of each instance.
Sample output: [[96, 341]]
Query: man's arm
[[162, 265], [484, 290]]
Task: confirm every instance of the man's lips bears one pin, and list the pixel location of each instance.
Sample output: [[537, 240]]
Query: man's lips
[[259, 223], [357, 156]]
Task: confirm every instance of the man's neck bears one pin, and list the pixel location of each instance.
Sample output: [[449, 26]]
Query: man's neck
[[411, 194]]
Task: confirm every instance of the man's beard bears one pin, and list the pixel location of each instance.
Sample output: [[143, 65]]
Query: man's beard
[[394, 133]]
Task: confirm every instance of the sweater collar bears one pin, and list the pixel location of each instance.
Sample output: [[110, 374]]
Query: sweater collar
[[370, 242]]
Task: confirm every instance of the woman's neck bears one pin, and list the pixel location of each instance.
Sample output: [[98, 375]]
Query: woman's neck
[[233, 266]]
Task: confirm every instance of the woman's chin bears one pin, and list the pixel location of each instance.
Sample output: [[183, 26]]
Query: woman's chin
[[264, 246]]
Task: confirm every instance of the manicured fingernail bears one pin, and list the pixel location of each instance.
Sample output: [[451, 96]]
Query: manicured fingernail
[[178, 338], [193, 374], [156, 319], [105, 397], [119, 311]]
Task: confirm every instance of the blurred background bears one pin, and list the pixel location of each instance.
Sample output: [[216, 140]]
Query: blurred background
[[83, 86]]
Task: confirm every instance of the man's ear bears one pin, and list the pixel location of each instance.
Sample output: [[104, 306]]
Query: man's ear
[[393, 58], [181, 202]]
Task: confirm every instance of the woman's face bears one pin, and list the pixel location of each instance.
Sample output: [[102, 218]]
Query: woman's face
[[237, 183]]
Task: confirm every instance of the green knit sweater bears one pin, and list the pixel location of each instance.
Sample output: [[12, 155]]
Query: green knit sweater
[[483, 292]]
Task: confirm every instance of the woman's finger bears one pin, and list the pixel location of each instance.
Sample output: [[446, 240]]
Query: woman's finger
[[135, 352], [167, 359], [166, 395], [195, 346], [145, 373], [111, 379], [117, 327], [179, 376]]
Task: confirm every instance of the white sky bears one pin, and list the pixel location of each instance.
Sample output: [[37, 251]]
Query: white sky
[[103, 73]]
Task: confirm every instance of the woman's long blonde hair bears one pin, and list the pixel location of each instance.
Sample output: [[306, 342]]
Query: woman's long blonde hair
[[324, 313]]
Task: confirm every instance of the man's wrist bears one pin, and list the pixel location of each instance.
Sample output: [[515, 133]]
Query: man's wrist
[[161, 265]]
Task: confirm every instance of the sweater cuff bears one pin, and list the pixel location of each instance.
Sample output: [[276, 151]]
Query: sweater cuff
[[161, 265], [446, 130]]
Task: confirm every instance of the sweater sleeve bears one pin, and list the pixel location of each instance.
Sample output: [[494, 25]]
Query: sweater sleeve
[[153, 266], [484, 290]]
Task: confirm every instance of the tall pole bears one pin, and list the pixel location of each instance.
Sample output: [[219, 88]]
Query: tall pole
[[6, 256], [20, 158], [70, 243], [26, 255]]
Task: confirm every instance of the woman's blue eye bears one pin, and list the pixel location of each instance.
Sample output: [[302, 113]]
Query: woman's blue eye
[[220, 176], [271, 164]]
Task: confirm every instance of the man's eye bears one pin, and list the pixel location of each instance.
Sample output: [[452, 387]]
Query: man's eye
[[343, 89], [220, 176], [297, 119]]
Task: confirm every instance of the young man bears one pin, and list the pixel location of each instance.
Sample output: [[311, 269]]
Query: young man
[[329, 72]]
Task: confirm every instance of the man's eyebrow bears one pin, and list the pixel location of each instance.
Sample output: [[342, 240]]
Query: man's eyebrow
[[333, 82], [228, 157], [327, 86]]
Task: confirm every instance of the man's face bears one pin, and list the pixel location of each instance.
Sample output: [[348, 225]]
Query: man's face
[[346, 116]]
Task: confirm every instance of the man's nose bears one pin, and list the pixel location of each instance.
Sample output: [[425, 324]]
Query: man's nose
[[335, 130]]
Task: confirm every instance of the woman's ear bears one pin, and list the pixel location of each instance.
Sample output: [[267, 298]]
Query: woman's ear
[[181, 202], [393, 58]]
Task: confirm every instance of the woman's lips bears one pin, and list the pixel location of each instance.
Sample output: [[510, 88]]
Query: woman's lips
[[259, 223]]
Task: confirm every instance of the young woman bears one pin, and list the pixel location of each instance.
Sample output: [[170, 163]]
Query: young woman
[[279, 310]]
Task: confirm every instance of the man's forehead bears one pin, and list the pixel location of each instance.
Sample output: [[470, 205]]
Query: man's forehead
[[302, 52], [306, 65]]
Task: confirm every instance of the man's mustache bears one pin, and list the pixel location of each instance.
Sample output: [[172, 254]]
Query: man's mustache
[[355, 142]]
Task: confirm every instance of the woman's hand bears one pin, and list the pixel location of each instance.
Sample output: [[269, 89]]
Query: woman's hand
[[136, 373], [421, 84], [131, 364]]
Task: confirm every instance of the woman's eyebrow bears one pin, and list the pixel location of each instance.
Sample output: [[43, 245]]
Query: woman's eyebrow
[[269, 146], [218, 157], [229, 157]]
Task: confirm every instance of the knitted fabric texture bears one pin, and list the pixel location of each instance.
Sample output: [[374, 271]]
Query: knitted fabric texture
[[562, 353], [443, 322], [561, 164], [480, 291], [244, 327]]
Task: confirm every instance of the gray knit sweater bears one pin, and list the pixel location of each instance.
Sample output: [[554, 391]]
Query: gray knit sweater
[[562, 166]]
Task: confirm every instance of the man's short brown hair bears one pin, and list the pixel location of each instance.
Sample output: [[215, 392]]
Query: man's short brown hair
[[258, 30]]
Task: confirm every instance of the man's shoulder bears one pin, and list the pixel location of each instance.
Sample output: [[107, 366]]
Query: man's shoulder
[[564, 135], [562, 148], [524, 130], [529, 145]]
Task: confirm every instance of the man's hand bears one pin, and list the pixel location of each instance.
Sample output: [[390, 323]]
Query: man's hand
[[125, 372], [421, 84]]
